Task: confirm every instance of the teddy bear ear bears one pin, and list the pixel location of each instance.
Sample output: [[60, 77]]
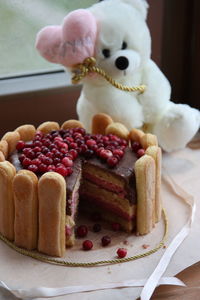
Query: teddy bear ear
[[48, 42], [79, 33], [141, 5]]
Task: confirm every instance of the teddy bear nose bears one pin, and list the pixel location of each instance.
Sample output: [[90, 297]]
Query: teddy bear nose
[[122, 63]]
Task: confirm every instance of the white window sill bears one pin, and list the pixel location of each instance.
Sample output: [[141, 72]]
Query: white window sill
[[28, 83]]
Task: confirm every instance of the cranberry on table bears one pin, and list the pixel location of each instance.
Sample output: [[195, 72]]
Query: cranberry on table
[[122, 252], [82, 231], [105, 240], [87, 245]]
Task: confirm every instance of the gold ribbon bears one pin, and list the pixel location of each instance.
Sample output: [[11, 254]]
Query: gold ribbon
[[55, 261], [89, 66]]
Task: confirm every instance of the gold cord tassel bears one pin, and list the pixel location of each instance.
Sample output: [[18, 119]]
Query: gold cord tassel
[[89, 66]]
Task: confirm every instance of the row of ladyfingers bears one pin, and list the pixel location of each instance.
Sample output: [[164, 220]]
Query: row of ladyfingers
[[32, 210]]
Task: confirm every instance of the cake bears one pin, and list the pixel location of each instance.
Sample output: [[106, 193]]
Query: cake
[[49, 173]]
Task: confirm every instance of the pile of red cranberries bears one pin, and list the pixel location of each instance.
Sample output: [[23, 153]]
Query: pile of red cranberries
[[56, 151]]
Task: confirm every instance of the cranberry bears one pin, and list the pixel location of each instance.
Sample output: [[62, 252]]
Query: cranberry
[[63, 145], [69, 171], [36, 161], [123, 142], [37, 144], [26, 162], [21, 157], [115, 138], [51, 168], [58, 139], [50, 154], [62, 170], [80, 130], [41, 156], [33, 168], [104, 154], [112, 161], [121, 252], [96, 227], [87, 245], [44, 150], [20, 145], [58, 154], [116, 226], [83, 148], [37, 149], [99, 150], [30, 154], [67, 162], [140, 153], [82, 231], [69, 139], [105, 240], [63, 150], [74, 153], [42, 168], [135, 146], [73, 145], [91, 142], [47, 143], [105, 138], [26, 150], [47, 161], [94, 148], [118, 152]]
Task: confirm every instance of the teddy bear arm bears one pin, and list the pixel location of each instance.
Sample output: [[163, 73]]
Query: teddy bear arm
[[156, 99]]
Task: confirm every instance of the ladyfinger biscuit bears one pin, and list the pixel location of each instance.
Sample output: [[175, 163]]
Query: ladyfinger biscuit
[[48, 126], [4, 148], [72, 124], [156, 153], [25, 192], [52, 209], [145, 185], [2, 157], [7, 173], [135, 135], [11, 137], [100, 122], [149, 139], [118, 129], [27, 132]]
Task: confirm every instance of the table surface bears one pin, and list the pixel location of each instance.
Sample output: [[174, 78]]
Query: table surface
[[24, 272]]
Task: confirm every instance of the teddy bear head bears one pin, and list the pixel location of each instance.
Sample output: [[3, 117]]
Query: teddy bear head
[[113, 31]]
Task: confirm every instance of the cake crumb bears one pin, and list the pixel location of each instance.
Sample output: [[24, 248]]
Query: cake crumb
[[164, 247], [145, 246], [125, 242]]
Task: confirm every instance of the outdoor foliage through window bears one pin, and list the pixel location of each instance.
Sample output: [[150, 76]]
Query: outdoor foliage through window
[[20, 20]]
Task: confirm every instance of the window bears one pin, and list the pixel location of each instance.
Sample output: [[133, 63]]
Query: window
[[20, 20]]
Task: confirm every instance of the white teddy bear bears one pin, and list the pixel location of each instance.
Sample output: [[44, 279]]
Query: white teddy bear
[[116, 34]]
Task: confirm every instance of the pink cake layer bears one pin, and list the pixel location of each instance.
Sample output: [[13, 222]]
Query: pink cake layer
[[105, 184], [107, 206]]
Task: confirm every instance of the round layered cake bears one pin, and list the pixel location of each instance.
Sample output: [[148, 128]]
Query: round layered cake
[[49, 173]]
